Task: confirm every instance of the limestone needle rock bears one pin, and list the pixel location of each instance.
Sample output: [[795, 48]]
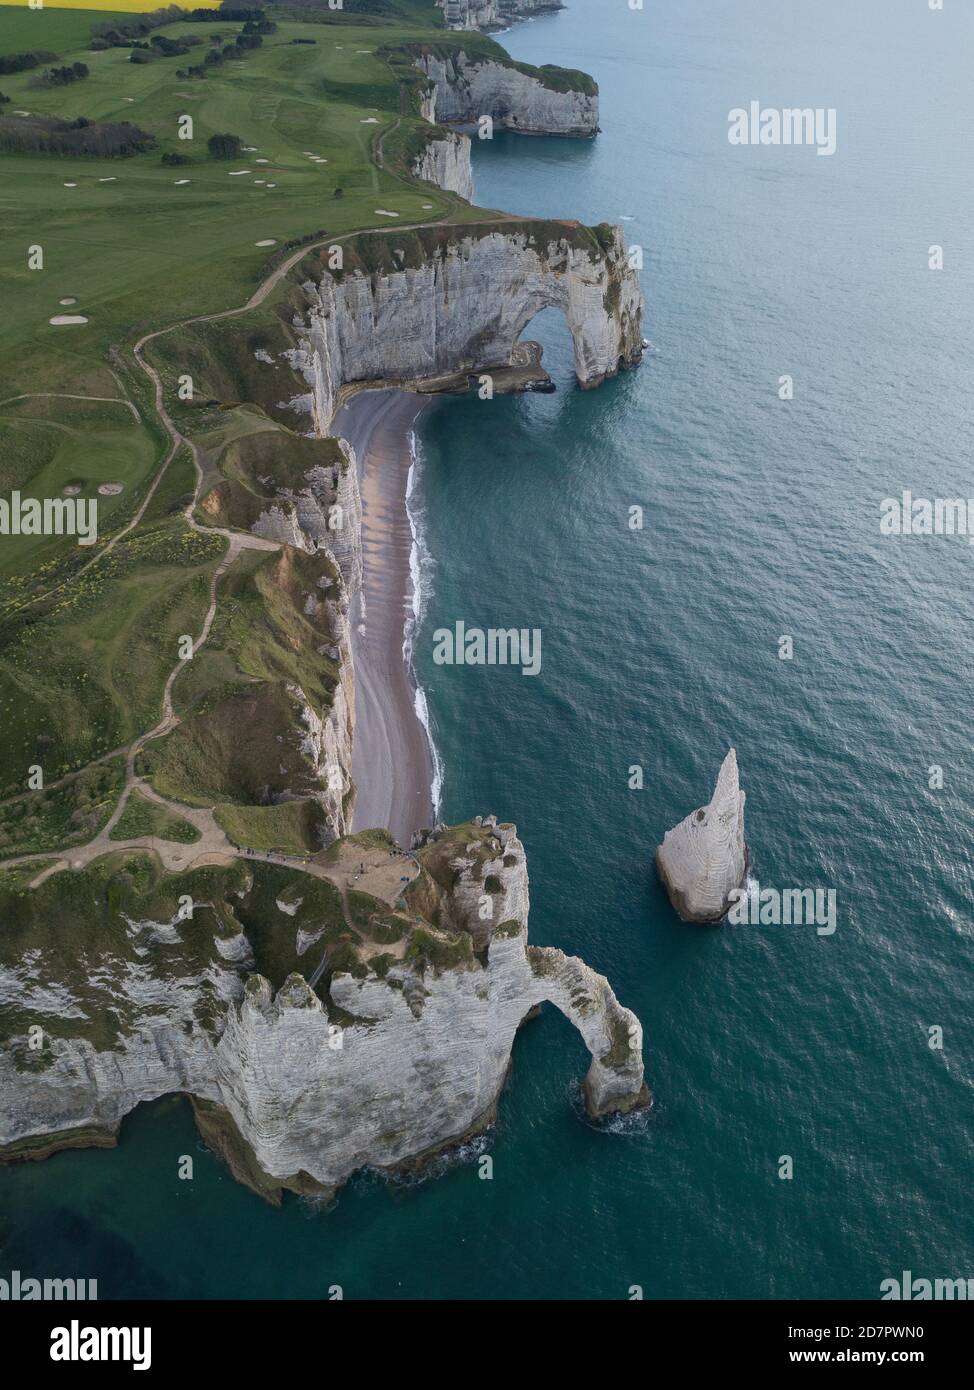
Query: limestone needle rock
[[703, 859]]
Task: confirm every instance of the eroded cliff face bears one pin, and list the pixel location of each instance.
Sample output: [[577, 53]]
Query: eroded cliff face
[[446, 162], [466, 87], [460, 309], [286, 495], [308, 1107], [401, 1048], [324, 513], [125, 1005]]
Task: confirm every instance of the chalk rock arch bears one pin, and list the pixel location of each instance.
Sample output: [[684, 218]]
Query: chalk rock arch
[[419, 309]]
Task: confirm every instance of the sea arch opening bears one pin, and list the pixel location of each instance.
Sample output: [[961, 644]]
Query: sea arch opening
[[546, 339]]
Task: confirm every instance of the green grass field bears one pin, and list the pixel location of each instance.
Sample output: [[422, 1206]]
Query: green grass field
[[83, 662], [144, 817], [327, 110], [58, 28], [85, 674], [143, 248]]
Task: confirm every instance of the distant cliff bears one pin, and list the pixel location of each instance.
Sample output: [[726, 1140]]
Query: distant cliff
[[468, 85], [492, 14]]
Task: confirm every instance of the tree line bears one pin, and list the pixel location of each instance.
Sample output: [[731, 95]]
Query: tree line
[[23, 62], [89, 139]]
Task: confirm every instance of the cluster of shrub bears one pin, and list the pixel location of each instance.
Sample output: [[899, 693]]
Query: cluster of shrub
[[120, 33], [161, 47], [236, 13], [244, 43], [61, 77], [90, 139], [224, 146], [221, 146], [23, 62]]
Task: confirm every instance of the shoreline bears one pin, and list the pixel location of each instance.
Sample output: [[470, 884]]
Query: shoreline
[[393, 760]]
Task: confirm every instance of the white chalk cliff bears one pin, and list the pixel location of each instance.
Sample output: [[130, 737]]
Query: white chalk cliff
[[417, 1062], [404, 1042], [703, 859], [462, 309], [446, 162], [466, 87]]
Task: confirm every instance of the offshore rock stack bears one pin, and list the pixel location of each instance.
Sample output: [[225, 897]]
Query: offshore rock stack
[[703, 859]]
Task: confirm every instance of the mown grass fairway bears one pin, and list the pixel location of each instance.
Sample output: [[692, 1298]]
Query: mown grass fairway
[[51, 443], [144, 249]]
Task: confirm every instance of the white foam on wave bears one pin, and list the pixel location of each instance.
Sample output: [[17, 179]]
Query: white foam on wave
[[421, 567]]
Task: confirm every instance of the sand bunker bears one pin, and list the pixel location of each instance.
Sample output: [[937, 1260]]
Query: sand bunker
[[71, 185], [235, 173], [272, 185], [61, 320], [369, 120], [179, 181], [109, 489], [71, 489], [71, 299], [269, 241], [109, 178], [262, 161], [383, 212]]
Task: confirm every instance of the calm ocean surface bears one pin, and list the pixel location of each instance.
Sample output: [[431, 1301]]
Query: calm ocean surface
[[660, 648]]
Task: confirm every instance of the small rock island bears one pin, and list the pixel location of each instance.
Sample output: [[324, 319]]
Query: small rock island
[[704, 858]]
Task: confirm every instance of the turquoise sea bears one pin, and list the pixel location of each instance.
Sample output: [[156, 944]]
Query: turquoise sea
[[660, 648]]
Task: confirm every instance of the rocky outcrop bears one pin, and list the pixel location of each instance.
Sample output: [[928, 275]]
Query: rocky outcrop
[[390, 1058], [323, 515], [424, 1066], [446, 304], [445, 161], [327, 745], [532, 101], [450, 1027], [704, 858]]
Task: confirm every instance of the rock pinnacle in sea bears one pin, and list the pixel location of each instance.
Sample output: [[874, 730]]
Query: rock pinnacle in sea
[[703, 859]]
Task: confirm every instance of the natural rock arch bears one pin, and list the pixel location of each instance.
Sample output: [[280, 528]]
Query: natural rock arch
[[438, 308]]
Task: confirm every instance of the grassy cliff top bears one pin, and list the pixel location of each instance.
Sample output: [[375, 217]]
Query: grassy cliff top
[[77, 952], [480, 47]]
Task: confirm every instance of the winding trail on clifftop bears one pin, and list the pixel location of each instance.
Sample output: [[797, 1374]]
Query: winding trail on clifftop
[[214, 838], [237, 540]]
